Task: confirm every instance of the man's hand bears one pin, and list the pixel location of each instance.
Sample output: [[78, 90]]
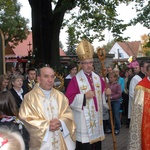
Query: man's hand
[[108, 92], [55, 124], [89, 94]]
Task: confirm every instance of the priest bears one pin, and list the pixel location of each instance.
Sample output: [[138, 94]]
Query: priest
[[139, 133], [47, 115], [86, 94]]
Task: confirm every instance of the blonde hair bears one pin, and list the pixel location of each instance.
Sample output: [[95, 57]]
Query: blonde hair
[[114, 75], [2, 78], [15, 140]]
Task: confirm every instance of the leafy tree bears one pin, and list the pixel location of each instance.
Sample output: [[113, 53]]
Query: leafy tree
[[147, 53], [145, 44], [13, 26], [71, 47], [92, 18], [89, 18], [143, 13]]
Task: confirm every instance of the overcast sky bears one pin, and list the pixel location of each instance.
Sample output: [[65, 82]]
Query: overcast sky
[[126, 13]]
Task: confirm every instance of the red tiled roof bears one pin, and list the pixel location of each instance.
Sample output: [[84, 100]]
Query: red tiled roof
[[61, 52], [9, 51], [131, 48], [23, 47]]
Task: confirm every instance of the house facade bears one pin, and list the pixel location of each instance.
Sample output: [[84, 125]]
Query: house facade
[[123, 50]]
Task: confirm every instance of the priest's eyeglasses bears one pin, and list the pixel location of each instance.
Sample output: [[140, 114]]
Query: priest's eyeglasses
[[86, 63]]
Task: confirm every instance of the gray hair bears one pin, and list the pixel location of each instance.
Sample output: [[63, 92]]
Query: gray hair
[[16, 76]]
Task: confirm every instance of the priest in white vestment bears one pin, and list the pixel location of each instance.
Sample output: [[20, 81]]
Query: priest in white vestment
[[135, 80], [47, 115]]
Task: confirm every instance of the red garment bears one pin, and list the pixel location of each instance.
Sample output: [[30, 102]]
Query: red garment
[[145, 131]]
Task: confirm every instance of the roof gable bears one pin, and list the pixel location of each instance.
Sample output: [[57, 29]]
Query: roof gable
[[131, 48]]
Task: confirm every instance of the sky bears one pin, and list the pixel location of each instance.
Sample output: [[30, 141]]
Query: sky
[[125, 13]]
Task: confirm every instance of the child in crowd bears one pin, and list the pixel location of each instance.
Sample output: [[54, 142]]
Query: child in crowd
[[133, 63], [10, 140]]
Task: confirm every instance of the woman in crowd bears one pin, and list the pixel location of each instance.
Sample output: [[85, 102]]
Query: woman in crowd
[[72, 68], [9, 116], [4, 81], [16, 90]]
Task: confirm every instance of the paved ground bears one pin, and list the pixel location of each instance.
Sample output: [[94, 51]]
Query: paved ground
[[121, 140]]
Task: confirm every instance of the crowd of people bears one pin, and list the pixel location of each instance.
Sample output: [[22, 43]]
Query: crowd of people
[[34, 115]]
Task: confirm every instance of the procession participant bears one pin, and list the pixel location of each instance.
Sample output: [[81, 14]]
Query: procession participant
[[47, 115], [139, 138], [133, 63], [137, 78], [17, 90], [86, 97], [122, 84], [115, 101], [109, 70], [29, 83], [72, 72], [4, 82]]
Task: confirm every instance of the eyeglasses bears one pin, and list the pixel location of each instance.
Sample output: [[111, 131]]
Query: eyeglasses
[[86, 63]]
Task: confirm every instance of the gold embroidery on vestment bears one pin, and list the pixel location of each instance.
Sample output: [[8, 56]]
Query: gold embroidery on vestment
[[81, 79], [83, 87]]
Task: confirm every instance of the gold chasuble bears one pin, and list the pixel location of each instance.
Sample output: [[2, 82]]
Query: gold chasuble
[[139, 135], [37, 123]]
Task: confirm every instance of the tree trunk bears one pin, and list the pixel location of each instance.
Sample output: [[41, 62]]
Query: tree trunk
[[45, 31], [46, 25]]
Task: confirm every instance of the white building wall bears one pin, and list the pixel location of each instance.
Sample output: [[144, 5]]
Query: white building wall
[[114, 50]]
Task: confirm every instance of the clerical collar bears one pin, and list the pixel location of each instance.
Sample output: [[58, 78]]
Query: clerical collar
[[46, 92], [148, 77], [88, 74]]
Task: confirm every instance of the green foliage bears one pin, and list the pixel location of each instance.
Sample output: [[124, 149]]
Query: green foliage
[[71, 41], [13, 26], [147, 45], [143, 13], [85, 19], [147, 53], [91, 17]]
